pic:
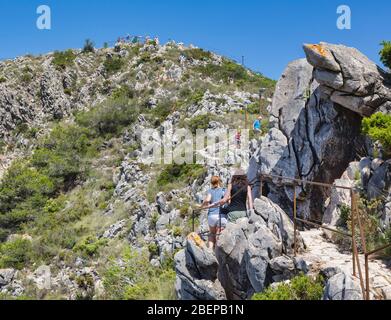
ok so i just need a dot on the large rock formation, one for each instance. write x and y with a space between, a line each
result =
349 78
250 255
317 110
306 130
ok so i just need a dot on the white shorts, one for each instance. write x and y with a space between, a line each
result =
214 221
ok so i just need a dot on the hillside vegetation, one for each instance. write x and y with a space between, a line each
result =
66 201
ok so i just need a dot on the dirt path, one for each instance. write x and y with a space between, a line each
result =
322 254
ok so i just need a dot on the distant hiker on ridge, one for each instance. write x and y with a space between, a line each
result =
257 126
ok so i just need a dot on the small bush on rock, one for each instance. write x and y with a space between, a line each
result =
197 54
88 46
15 254
385 53
184 172
63 59
113 65
378 128
300 288
138 279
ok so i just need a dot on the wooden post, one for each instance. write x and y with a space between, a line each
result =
246 119
367 295
353 215
193 222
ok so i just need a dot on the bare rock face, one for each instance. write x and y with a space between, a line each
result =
250 255
53 99
350 78
343 287
13 111
307 129
196 269
340 197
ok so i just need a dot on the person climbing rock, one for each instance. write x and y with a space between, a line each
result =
238 139
216 219
239 197
257 126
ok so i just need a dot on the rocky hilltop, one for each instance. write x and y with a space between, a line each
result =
83 217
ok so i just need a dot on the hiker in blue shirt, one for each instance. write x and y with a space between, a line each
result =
216 219
257 126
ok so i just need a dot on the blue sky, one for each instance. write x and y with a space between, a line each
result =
268 33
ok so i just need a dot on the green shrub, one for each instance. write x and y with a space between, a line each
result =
26 78
387 236
200 122
300 288
184 210
154 219
138 279
88 46
24 184
61 155
196 97
2 80
89 246
153 249
163 110
63 59
124 92
378 128
344 216
109 118
385 53
254 108
15 254
177 231
197 54
231 71
186 173
113 64
145 57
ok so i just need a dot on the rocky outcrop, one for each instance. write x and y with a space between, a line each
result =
196 269
343 286
53 99
306 129
9 284
317 109
349 78
250 255
340 197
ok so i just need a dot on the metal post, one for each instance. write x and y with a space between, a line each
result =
367 296
355 251
193 224
294 217
246 119
353 214
364 247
